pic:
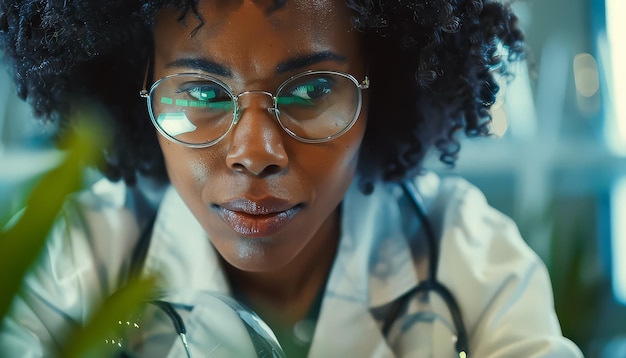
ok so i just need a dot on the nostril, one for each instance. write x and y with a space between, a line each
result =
238 167
271 169
266 171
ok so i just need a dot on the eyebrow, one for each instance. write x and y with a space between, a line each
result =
293 64
200 64
307 60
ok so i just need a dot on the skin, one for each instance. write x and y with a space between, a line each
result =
257 159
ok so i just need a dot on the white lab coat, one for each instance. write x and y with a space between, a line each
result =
501 286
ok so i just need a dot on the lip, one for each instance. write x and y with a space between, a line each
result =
257 218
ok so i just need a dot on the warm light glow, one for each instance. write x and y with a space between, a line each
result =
586 75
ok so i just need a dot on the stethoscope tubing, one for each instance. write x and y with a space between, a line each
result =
431 283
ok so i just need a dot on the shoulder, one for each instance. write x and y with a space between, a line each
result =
110 213
90 245
461 217
473 232
480 247
85 259
501 285
458 204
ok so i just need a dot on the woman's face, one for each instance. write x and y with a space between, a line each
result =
263 197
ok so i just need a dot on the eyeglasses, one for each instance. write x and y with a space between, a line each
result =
199 110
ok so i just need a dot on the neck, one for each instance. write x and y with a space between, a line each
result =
285 295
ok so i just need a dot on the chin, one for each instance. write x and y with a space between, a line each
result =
255 255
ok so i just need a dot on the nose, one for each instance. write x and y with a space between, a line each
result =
256 141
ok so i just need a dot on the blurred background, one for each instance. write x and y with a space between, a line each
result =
557 164
558 167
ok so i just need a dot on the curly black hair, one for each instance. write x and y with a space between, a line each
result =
432 62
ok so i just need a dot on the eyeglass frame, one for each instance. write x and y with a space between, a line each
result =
237 111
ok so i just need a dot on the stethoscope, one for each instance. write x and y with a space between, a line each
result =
431 284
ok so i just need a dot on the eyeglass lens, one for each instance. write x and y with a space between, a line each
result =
196 109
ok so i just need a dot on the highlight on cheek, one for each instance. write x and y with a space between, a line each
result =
199 171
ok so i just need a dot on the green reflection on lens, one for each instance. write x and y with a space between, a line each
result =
294 100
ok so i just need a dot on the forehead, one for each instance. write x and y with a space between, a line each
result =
293 14
252 34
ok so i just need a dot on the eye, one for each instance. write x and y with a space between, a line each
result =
312 88
203 94
204 91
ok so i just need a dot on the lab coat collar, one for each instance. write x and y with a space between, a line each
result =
377 255
372 266
180 252
376 263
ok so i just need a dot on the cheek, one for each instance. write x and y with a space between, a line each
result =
348 147
333 165
188 169
199 171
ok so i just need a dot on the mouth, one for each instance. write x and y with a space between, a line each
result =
257 218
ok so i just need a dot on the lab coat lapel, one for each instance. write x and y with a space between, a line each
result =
180 252
374 266
347 329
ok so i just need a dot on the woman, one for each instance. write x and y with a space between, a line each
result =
285 129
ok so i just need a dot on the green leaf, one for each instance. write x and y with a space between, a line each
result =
89 341
24 240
